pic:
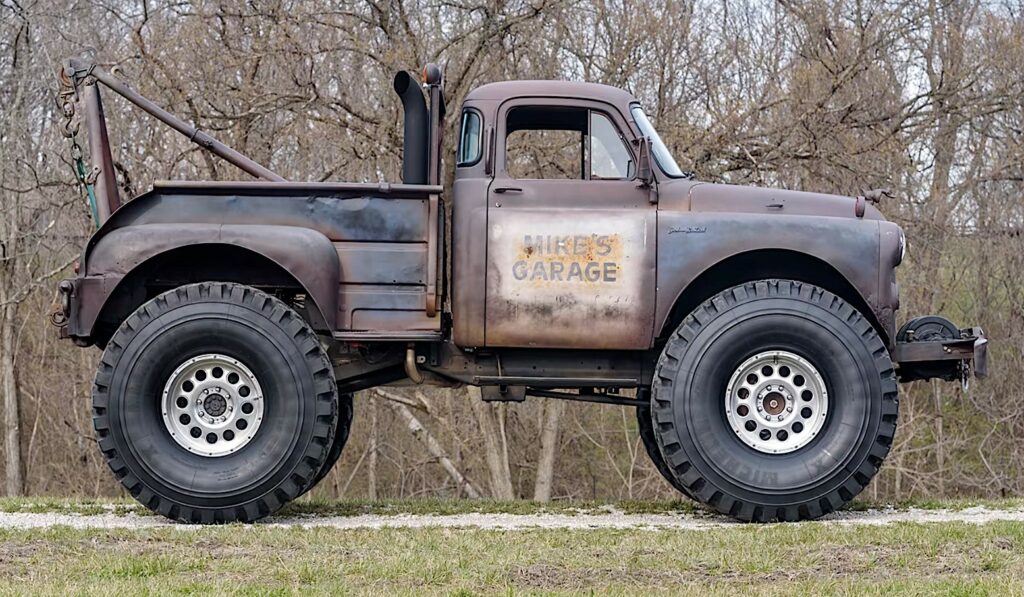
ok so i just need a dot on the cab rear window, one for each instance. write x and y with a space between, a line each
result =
470 139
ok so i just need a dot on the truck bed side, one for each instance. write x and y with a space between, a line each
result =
365 254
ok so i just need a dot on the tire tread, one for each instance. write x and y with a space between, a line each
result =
325 390
667 437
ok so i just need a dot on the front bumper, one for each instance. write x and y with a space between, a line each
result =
951 359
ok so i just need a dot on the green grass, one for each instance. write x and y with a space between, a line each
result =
440 506
317 506
83 506
914 559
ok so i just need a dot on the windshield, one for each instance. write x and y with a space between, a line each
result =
661 154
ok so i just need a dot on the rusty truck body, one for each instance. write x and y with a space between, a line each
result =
754 330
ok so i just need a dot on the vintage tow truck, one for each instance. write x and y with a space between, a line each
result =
752 329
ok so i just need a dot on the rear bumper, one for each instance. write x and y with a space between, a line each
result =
949 359
76 295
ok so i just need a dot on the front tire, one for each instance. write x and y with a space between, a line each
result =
345 411
774 400
215 403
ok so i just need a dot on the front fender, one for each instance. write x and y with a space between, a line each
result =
306 254
690 243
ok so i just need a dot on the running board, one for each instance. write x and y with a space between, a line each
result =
556 382
410 336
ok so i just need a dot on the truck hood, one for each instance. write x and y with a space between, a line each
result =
693 196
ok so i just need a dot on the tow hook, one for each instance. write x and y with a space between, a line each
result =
62 311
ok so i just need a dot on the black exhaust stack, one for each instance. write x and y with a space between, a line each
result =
415 147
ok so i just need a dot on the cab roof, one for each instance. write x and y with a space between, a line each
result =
542 88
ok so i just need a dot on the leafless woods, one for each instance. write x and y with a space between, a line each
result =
924 98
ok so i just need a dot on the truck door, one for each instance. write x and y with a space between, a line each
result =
571 231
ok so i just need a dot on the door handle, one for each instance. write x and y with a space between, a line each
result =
508 190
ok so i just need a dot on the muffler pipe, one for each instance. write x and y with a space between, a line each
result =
411 369
415 141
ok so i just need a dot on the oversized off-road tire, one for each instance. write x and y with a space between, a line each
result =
340 438
646 428
774 400
215 403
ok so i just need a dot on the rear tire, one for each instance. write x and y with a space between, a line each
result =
791 440
185 357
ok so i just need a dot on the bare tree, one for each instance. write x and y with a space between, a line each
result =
842 96
551 417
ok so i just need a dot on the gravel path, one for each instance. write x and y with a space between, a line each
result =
612 520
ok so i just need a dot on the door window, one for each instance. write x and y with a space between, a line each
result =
609 158
557 142
545 142
544 154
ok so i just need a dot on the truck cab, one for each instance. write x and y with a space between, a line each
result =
555 231
752 330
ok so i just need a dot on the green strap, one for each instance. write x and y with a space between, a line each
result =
80 167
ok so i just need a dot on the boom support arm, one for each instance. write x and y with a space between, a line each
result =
82 72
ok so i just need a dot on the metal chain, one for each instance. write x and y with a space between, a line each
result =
66 99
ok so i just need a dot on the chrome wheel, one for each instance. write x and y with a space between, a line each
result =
776 402
212 405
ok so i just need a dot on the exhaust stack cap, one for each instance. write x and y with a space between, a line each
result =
432 74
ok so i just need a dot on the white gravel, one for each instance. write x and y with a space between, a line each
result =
611 520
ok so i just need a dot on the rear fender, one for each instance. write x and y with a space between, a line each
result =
307 255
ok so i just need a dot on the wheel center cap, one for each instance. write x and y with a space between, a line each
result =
774 403
215 405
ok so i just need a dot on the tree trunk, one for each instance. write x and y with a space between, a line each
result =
423 434
371 480
551 418
490 418
940 438
9 384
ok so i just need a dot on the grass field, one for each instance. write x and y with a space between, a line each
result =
779 559
807 558
311 505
